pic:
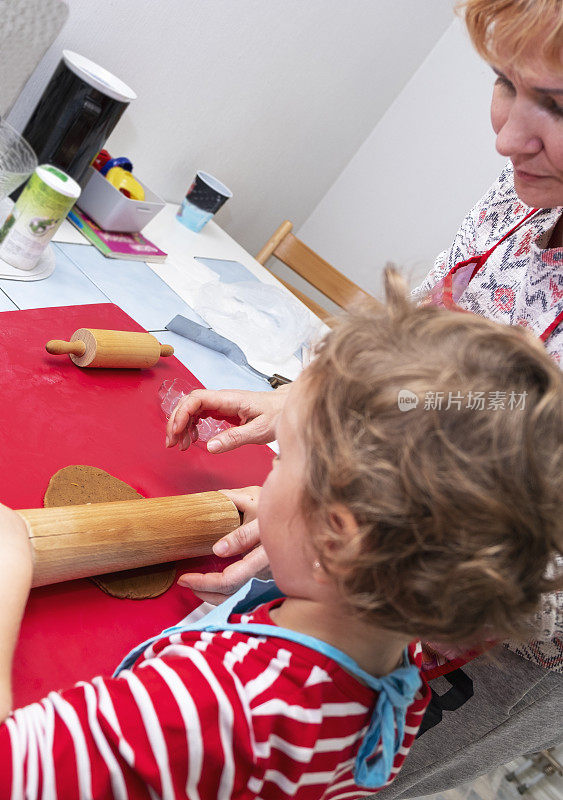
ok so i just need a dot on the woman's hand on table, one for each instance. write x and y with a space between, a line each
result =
256 411
215 586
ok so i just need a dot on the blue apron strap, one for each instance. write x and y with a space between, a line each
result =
253 593
396 690
388 724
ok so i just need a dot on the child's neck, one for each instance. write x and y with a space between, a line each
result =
375 650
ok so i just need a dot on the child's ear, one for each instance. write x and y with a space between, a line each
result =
343 523
342 536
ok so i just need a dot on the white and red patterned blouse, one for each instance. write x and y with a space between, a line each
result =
521 283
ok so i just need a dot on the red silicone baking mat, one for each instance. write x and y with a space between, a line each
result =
55 414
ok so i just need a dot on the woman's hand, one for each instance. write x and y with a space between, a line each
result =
215 586
255 411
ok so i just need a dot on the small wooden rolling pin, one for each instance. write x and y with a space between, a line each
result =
79 541
92 347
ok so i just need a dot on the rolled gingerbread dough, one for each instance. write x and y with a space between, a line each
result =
79 484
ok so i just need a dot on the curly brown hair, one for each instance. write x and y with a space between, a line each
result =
459 509
522 29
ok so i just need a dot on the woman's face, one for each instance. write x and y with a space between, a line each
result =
527 117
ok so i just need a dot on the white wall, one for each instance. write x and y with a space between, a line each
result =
425 164
27 30
274 97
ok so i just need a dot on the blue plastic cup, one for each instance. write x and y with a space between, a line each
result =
203 199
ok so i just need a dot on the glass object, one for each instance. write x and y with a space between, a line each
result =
17 160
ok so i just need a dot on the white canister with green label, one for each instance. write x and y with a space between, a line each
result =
45 201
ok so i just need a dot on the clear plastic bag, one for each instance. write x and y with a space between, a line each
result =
171 392
263 320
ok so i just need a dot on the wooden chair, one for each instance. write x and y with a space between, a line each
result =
314 269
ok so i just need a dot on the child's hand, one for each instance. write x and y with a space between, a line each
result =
16 554
215 586
16 568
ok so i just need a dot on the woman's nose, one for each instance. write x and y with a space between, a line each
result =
518 135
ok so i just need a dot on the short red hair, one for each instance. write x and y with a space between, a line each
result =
524 29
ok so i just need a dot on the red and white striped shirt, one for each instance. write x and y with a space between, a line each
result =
203 716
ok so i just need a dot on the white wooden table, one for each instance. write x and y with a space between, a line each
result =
151 293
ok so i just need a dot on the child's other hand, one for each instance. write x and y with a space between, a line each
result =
215 586
16 568
15 548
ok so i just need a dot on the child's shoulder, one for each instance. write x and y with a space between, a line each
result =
264 666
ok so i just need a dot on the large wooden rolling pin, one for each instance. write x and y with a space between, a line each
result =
92 347
79 541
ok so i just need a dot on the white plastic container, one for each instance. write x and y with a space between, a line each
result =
39 211
112 210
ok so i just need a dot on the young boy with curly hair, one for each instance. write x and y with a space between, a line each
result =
386 518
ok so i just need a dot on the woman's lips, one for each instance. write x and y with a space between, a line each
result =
529 177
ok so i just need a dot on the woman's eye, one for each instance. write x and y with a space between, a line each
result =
553 106
505 83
